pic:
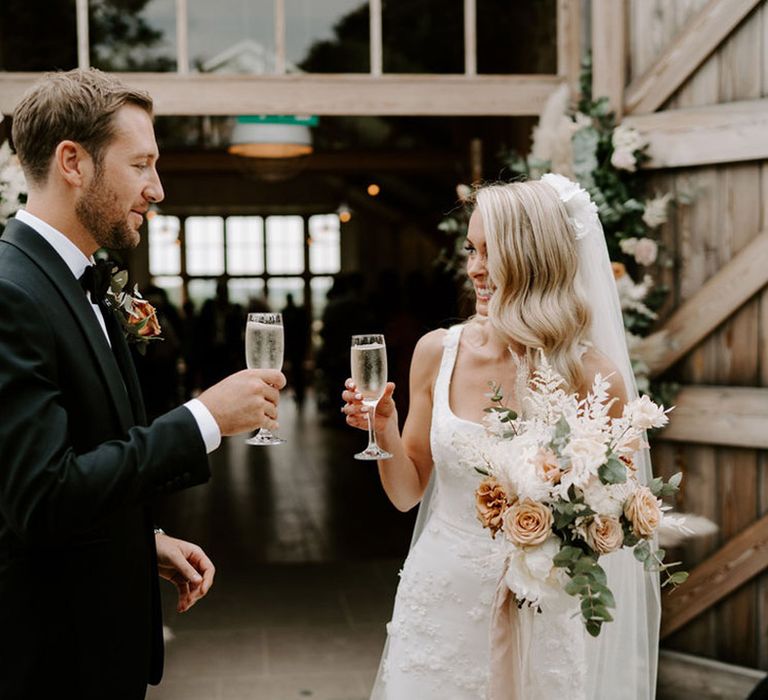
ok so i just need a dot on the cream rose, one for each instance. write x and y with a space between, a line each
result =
604 534
643 510
646 251
527 523
547 467
491 502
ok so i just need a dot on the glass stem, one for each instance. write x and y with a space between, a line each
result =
371 420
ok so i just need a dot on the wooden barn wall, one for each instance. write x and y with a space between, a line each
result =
729 206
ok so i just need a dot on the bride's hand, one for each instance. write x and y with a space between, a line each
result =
355 411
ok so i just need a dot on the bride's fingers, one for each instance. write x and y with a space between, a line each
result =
351 396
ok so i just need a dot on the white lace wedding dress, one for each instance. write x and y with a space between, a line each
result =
438 644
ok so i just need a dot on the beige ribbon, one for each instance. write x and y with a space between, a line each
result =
508 648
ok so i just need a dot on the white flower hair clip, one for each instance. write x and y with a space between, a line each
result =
582 211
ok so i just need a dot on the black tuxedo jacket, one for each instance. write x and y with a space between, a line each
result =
79 598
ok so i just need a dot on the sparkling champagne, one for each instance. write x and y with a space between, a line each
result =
369 370
263 345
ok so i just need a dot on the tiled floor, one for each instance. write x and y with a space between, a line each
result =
307 551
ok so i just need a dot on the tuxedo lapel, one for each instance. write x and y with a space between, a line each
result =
37 249
125 362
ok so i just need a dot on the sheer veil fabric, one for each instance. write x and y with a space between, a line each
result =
622 661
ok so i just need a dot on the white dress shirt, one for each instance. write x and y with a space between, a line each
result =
76 261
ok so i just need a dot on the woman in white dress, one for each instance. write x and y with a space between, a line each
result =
533 290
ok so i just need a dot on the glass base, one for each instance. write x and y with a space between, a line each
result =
373 452
264 437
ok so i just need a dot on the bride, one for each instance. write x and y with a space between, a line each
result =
538 263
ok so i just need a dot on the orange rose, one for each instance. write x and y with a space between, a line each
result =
604 534
491 501
527 523
619 270
142 309
643 510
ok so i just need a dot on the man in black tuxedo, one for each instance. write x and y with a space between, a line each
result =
79 561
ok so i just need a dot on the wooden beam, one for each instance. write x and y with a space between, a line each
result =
609 52
743 557
569 42
720 415
348 94
361 161
745 275
724 133
701 36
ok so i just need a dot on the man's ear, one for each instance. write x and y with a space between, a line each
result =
72 162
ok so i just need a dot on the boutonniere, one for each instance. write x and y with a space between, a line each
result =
137 316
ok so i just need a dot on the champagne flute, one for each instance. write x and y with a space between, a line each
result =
369 373
264 350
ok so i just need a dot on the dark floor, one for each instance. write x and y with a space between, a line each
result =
307 550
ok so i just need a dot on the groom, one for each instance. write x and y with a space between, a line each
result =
79 599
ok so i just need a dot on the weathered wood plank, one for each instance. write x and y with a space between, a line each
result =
745 275
719 415
702 35
735 131
569 42
609 52
351 95
743 557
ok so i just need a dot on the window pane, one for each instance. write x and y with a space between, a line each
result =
29 43
245 245
421 36
201 290
204 237
331 36
173 288
285 245
147 35
324 243
164 245
232 36
320 287
498 20
281 287
249 293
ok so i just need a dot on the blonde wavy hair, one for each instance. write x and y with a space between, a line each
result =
532 265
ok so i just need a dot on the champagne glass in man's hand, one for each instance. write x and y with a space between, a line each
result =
264 350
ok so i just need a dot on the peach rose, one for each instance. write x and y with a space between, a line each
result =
491 501
646 251
527 523
643 510
142 309
619 270
604 534
547 466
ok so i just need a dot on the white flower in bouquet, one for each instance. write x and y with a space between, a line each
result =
646 251
531 574
655 213
607 499
643 414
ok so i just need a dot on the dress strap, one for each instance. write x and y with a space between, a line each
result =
450 350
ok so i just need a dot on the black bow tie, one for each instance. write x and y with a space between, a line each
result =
96 278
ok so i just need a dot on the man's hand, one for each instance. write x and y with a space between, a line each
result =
245 400
185 565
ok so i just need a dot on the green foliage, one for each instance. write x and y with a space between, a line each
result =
614 471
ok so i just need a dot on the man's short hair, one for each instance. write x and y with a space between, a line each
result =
77 105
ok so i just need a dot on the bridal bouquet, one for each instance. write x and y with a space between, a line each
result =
561 491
